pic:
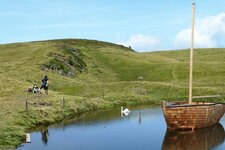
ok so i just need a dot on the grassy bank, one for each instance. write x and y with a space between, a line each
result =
93 75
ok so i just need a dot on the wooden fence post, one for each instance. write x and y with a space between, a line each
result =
62 102
26 105
140 78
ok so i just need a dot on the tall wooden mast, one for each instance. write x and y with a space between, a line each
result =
191 53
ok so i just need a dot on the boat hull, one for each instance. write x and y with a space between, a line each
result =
180 115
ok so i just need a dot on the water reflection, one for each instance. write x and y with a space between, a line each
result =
143 129
201 139
44 135
139 118
104 116
93 118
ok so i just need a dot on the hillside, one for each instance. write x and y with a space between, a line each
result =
93 75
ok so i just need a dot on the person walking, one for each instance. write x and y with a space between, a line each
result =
44 84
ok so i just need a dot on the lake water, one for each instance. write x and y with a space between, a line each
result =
143 129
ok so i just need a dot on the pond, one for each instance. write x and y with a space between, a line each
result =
143 129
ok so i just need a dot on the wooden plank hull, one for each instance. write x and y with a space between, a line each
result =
180 115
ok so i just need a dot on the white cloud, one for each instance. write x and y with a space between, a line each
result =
142 43
209 32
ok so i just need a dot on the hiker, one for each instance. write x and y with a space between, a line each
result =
36 89
44 84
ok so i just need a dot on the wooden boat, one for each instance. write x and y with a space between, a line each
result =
192 115
180 115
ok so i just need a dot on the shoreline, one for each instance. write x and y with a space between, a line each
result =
24 120
42 116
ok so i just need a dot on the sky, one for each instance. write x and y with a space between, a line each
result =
145 25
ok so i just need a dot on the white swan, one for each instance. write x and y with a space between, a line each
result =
126 111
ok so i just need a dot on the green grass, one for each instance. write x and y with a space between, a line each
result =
92 75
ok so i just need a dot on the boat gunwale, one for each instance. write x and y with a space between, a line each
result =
184 104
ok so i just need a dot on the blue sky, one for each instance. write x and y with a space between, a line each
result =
146 25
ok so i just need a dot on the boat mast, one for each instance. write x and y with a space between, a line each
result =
191 53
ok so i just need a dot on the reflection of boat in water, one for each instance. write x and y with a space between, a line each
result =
200 139
192 115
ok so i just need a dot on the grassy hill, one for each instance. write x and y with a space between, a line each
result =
92 75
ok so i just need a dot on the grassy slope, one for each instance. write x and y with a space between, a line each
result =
112 71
